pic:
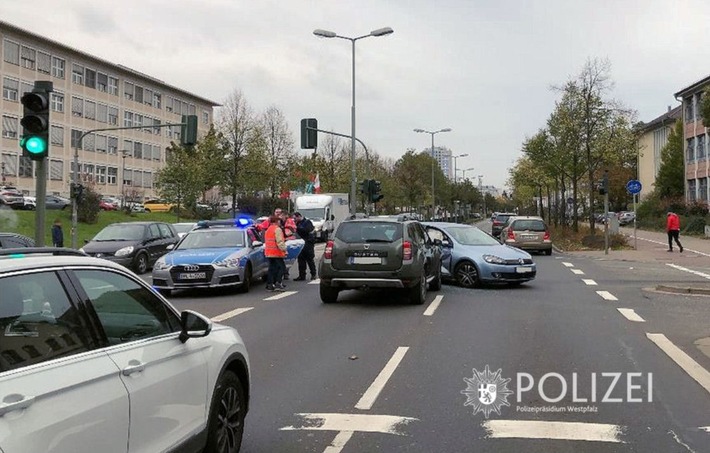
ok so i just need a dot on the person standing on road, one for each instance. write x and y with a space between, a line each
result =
275 252
304 229
288 226
57 234
673 229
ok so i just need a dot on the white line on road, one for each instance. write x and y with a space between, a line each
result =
690 366
589 282
631 315
666 244
368 399
566 264
387 424
685 269
577 271
606 295
281 295
704 428
433 306
526 429
231 314
314 282
339 442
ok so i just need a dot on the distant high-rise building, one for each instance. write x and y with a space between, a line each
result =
443 158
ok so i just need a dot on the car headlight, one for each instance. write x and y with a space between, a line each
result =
160 265
231 262
82 250
493 259
125 251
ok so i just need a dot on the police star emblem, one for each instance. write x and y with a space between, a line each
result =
486 391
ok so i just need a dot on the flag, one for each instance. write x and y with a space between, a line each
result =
316 183
285 193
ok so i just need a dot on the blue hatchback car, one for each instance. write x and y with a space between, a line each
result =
471 256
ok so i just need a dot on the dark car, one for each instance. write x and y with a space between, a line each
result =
500 221
378 252
136 245
13 240
55 202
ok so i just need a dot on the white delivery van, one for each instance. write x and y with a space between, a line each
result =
325 210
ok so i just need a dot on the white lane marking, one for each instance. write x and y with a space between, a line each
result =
631 315
231 314
606 295
281 295
666 244
704 428
577 271
339 442
566 264
371 394
387 424
314 282
589 282
690 366
433 306
685 269
528 429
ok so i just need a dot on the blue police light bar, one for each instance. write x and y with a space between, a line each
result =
243 221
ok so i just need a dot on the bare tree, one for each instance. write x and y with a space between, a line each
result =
236 123
278 143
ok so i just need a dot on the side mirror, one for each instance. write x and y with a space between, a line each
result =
332 217
193 325
256 244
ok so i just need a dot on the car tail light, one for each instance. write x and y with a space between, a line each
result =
511 234
546 237
495 222
406 250
328 253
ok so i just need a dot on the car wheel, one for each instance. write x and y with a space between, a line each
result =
417 294
246 284
328 294
225 426
548 252
435 285
466 274
140 264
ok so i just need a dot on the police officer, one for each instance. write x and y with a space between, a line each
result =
304 229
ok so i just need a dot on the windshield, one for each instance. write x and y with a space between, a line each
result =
216 238
313 214
121 233
529 225
467 235
369 232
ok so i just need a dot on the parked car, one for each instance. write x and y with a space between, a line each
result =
527 233
136 245
472 257
499 222
158 206
392 252
626 218
134 206
217 255
106 204
56 202
89 338
183 227
11 197
30 203
14 240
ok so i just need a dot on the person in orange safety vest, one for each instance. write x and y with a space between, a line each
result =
275 252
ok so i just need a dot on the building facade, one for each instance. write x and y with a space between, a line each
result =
697 166
442 156
90 93
653 137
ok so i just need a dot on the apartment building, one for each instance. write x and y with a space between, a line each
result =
442 156
90 93
653 137
697 165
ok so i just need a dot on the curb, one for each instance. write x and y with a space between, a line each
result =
683 290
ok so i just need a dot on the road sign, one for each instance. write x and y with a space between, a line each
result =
633 186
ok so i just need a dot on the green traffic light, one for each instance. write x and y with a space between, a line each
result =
34 145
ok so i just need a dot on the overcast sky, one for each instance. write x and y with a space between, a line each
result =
481 67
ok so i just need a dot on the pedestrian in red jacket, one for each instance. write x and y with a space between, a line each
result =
673 229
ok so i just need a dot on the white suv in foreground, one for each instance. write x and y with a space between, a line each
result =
94 360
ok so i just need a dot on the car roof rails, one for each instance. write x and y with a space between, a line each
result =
55 251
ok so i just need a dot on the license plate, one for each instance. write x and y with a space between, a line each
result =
365 260
523 270
193 276
529 237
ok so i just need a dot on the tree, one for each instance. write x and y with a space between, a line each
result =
237 126
671 174
705 107
278 146
181 181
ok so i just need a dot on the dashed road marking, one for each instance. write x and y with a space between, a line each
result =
606 295
589 282
704 428
339 442
529 429
433 306
368 399
566 264
685 269
690 366
231 314
631 315
577 271
282 295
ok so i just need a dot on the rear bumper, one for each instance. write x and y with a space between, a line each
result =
354 283
531 245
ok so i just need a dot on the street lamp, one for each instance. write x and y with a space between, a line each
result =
422 131
124 154
464 172
455 158
330 34
480 190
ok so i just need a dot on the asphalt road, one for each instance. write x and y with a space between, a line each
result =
373 373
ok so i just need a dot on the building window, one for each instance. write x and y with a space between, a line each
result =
137 120
101 143
28 57
90 78
113 116
10 164
112 176
10 89
192 110
128 89
156 100
128 147
9 126
77 106
156 128
57 102
25 167
11 52
56 170
90 110
690 150
44 62
88 172
148 97
692 185
701 153
77 74
703 189
57 136
26 87
168 104
113 85
148 124
205 117
102 113
89 143
689 110
100 174
127 119
113 145
138 150
138 94
102 82
75 135
58 65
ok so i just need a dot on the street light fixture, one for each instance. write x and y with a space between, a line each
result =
455 158
422 131
464 172
331 34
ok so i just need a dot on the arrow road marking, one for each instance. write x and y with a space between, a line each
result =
631 315
527 429
589 282
690 366
433 306
282 295
231 314
606 295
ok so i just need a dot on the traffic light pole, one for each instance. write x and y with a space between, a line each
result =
41 192
367 153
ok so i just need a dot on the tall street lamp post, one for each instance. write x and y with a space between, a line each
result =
124 154
464 172
455 158
422 131
480 189
330 34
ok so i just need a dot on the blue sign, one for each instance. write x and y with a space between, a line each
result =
633 186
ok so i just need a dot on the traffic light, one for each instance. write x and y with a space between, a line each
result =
309 133
35 121
604 184
188 130
365 188
375 188
76 191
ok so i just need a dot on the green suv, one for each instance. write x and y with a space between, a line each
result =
382 252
